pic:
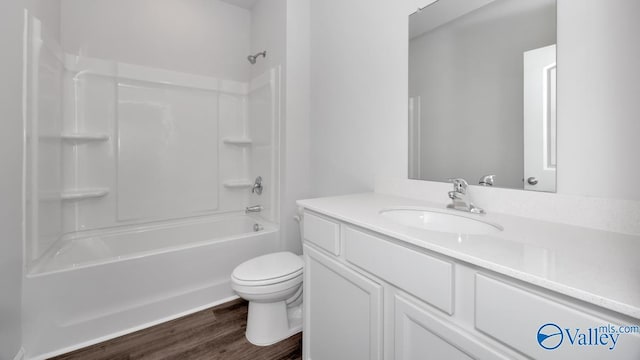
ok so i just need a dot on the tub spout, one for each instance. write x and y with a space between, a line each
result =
254 208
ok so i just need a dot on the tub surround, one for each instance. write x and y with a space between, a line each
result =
595 266
132 134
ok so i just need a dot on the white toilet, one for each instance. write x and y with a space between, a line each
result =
272 284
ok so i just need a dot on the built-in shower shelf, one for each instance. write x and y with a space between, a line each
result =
84 137
81 194
238 184
240 141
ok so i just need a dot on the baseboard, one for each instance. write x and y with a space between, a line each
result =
19 355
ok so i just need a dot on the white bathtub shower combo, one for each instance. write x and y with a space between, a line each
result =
138 175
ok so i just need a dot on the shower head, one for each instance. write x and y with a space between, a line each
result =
252 58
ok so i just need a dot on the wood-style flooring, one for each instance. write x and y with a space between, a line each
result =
215 334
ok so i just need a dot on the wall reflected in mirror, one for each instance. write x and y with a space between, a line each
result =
482 98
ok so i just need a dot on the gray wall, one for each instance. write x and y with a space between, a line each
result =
11 139
469 75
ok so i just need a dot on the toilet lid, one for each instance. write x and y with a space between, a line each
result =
272 268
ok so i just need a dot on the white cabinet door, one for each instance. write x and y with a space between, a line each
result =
540 119
343 311
421 335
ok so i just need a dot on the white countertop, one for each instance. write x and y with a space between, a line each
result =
599 267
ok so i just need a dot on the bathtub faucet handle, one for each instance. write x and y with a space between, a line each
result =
254 208
257 186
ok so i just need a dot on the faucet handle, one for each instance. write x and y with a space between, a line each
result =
257 186
487 180
459 185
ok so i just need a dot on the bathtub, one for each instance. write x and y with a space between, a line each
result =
98 285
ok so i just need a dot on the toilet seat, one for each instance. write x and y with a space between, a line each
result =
269 269
266 292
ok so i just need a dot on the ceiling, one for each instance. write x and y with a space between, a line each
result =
247 4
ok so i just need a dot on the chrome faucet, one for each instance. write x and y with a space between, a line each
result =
461 199
253 209
257 186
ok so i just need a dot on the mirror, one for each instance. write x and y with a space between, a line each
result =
482 93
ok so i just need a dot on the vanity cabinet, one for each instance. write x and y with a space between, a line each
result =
370 296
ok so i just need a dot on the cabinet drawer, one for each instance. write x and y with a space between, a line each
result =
322 232
514 316
421 275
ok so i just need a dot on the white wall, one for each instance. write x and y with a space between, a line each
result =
11 139
48 11
296 148
359 93
598 107
268 32
206 37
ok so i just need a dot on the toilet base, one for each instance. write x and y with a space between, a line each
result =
269 323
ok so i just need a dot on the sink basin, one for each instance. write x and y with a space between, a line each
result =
441 221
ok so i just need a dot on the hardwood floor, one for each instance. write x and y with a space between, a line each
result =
212 334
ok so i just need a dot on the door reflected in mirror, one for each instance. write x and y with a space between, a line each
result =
482 93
